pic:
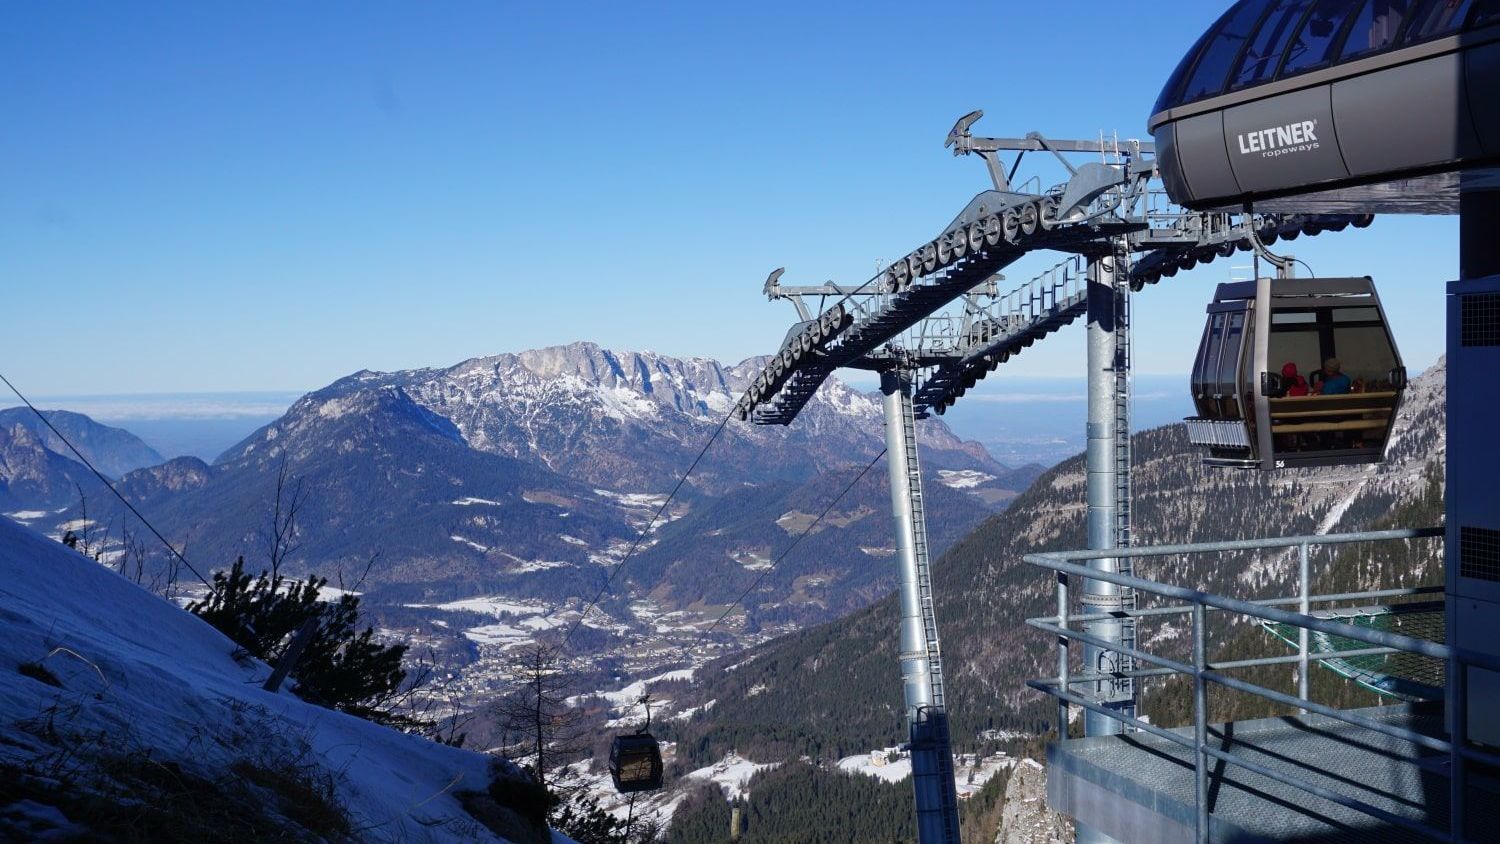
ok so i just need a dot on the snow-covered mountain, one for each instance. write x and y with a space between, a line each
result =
374 473
529 475
633 420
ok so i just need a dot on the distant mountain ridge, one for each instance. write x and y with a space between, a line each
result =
114 451
623 419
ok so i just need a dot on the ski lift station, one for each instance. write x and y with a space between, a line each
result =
1286 118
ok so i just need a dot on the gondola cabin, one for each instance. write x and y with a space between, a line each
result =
635 763
1295 372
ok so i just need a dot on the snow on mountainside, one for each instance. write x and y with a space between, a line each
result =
625 419
105 683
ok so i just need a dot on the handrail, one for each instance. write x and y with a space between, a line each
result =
1040 557
1322 625
1264 602
1197 602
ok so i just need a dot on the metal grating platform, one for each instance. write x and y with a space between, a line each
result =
1405 676
1140 788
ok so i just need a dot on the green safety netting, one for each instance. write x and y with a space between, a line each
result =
1400 675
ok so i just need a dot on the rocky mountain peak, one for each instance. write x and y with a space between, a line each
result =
631 420
175 475
32 476
352 412
21 451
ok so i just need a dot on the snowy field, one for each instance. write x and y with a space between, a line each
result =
969 773
963 478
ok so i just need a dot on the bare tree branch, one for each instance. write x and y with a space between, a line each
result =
537 714
284 538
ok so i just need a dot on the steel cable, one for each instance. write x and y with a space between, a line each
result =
108 484
634 546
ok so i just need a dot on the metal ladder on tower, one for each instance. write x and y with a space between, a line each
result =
932 722
1122 456
924 565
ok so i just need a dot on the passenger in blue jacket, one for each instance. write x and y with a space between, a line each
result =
1335 382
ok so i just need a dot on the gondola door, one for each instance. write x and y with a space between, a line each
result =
1225 414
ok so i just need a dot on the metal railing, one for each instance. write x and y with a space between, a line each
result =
1197 604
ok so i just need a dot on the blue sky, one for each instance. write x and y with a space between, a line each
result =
223 197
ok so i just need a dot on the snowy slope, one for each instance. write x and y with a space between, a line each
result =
150 677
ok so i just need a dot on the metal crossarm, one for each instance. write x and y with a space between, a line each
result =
1110 203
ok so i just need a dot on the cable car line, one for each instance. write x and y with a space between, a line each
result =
634 546
108 484
800 537
635 762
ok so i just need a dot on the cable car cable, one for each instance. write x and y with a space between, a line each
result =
108 484
628 752
634 546
800 537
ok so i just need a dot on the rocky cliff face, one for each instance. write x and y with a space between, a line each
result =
1025 818
34 480
632 420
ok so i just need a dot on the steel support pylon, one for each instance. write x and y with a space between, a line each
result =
921 660
1108 481
1119 273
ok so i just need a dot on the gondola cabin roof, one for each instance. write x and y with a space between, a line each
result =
1334 105
1328 291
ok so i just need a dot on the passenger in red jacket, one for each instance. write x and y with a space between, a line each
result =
1296 385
